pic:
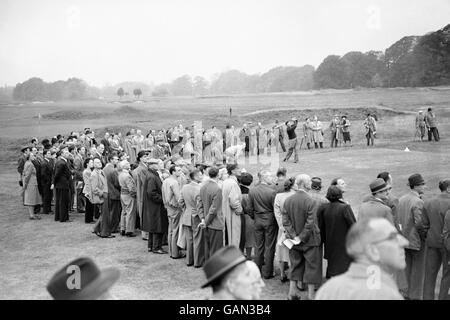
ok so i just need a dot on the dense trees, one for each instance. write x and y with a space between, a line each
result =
411 61
37 89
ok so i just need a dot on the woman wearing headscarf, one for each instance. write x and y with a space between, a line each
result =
281 251
30 189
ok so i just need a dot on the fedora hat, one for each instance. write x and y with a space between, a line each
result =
415 180
223 261
378 185
93 281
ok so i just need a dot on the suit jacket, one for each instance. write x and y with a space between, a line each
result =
112 178
210 205
190 195
99 186
298 216
47 172
375 208
62 176
434 211
410 219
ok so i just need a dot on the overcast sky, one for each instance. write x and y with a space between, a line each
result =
158 40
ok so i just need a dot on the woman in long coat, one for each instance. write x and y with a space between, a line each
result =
335 219
31 195
232 210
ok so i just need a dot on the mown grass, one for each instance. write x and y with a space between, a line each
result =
31 251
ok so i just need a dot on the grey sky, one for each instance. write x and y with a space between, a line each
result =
158 40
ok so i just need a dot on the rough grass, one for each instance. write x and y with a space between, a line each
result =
31 251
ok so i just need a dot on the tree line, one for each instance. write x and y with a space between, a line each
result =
412 61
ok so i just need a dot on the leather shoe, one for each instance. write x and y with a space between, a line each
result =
160 251
122 233
181 256
130 234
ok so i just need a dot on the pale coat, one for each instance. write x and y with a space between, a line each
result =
189 198
232 209
316 127
99 186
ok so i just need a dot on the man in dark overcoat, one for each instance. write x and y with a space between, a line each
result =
154 214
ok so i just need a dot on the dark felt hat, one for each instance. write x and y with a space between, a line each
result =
378 185
93 282
316 183
415 180
221 262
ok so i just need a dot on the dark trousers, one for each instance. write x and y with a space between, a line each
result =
89 214
155 241
62 203
189 244
213 241
102 226
433 132
306 264
415 272
81 202
199 242
435 258
334 141
266 231
47 195
115 211
292 149
172 235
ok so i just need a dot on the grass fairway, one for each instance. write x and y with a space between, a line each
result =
31 251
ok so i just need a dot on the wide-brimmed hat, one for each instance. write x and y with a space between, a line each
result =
223 261
415 180
93 282
378 185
